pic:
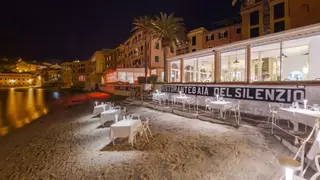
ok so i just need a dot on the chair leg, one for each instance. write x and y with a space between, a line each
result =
145 133
149 131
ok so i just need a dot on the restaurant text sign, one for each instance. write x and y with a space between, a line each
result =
284 95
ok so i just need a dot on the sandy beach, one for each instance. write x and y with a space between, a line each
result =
71 144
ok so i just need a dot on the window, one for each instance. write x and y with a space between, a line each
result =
223 34
279 26
210 37
233 66
194 50
238 31
254 32
300 59
265 62
141 48
194 39
254 18
278 11
156 59
199 69
82 78
175 72
171 49
157 45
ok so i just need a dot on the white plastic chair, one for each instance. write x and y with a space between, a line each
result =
273 113
235 109
191 101
207 102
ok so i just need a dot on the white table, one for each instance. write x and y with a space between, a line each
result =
110 115
221 105
125 128
296 116
159 96
181 99
100 108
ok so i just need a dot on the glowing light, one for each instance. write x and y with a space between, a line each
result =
30 80
12 80
39 77
56 95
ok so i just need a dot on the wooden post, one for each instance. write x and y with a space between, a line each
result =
217 69
181 70
248 64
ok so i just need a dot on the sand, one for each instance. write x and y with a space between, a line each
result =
71 144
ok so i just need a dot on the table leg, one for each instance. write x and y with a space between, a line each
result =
296 129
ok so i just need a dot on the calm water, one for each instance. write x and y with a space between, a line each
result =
19 107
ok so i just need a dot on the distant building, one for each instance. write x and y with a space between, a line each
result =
22 66
16 79
78 70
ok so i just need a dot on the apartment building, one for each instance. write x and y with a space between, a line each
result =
78 70
261 17
134 50
16 79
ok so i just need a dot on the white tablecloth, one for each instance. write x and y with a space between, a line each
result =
303 116
109 115
221 105
100 108
159 96
125 128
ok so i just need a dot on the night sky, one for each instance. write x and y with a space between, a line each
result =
66 30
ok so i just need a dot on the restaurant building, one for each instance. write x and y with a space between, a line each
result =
280 67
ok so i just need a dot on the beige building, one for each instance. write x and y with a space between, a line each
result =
16 79
78 70
22 66
133 52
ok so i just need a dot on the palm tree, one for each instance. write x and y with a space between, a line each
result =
266 14
166 28
143 25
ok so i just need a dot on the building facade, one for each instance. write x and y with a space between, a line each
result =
16 79
78 70
261 17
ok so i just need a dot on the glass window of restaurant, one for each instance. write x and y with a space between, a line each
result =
300 59
292 60
175 72
265 62
233 65
199 69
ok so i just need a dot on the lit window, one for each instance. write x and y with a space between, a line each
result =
279 26
82 78
175 72
210 37
265 62
223 34
233 66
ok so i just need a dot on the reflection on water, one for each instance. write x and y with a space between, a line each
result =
19 107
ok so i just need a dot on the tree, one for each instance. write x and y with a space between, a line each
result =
166 28
266 14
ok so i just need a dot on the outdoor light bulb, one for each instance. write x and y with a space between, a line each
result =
289 174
